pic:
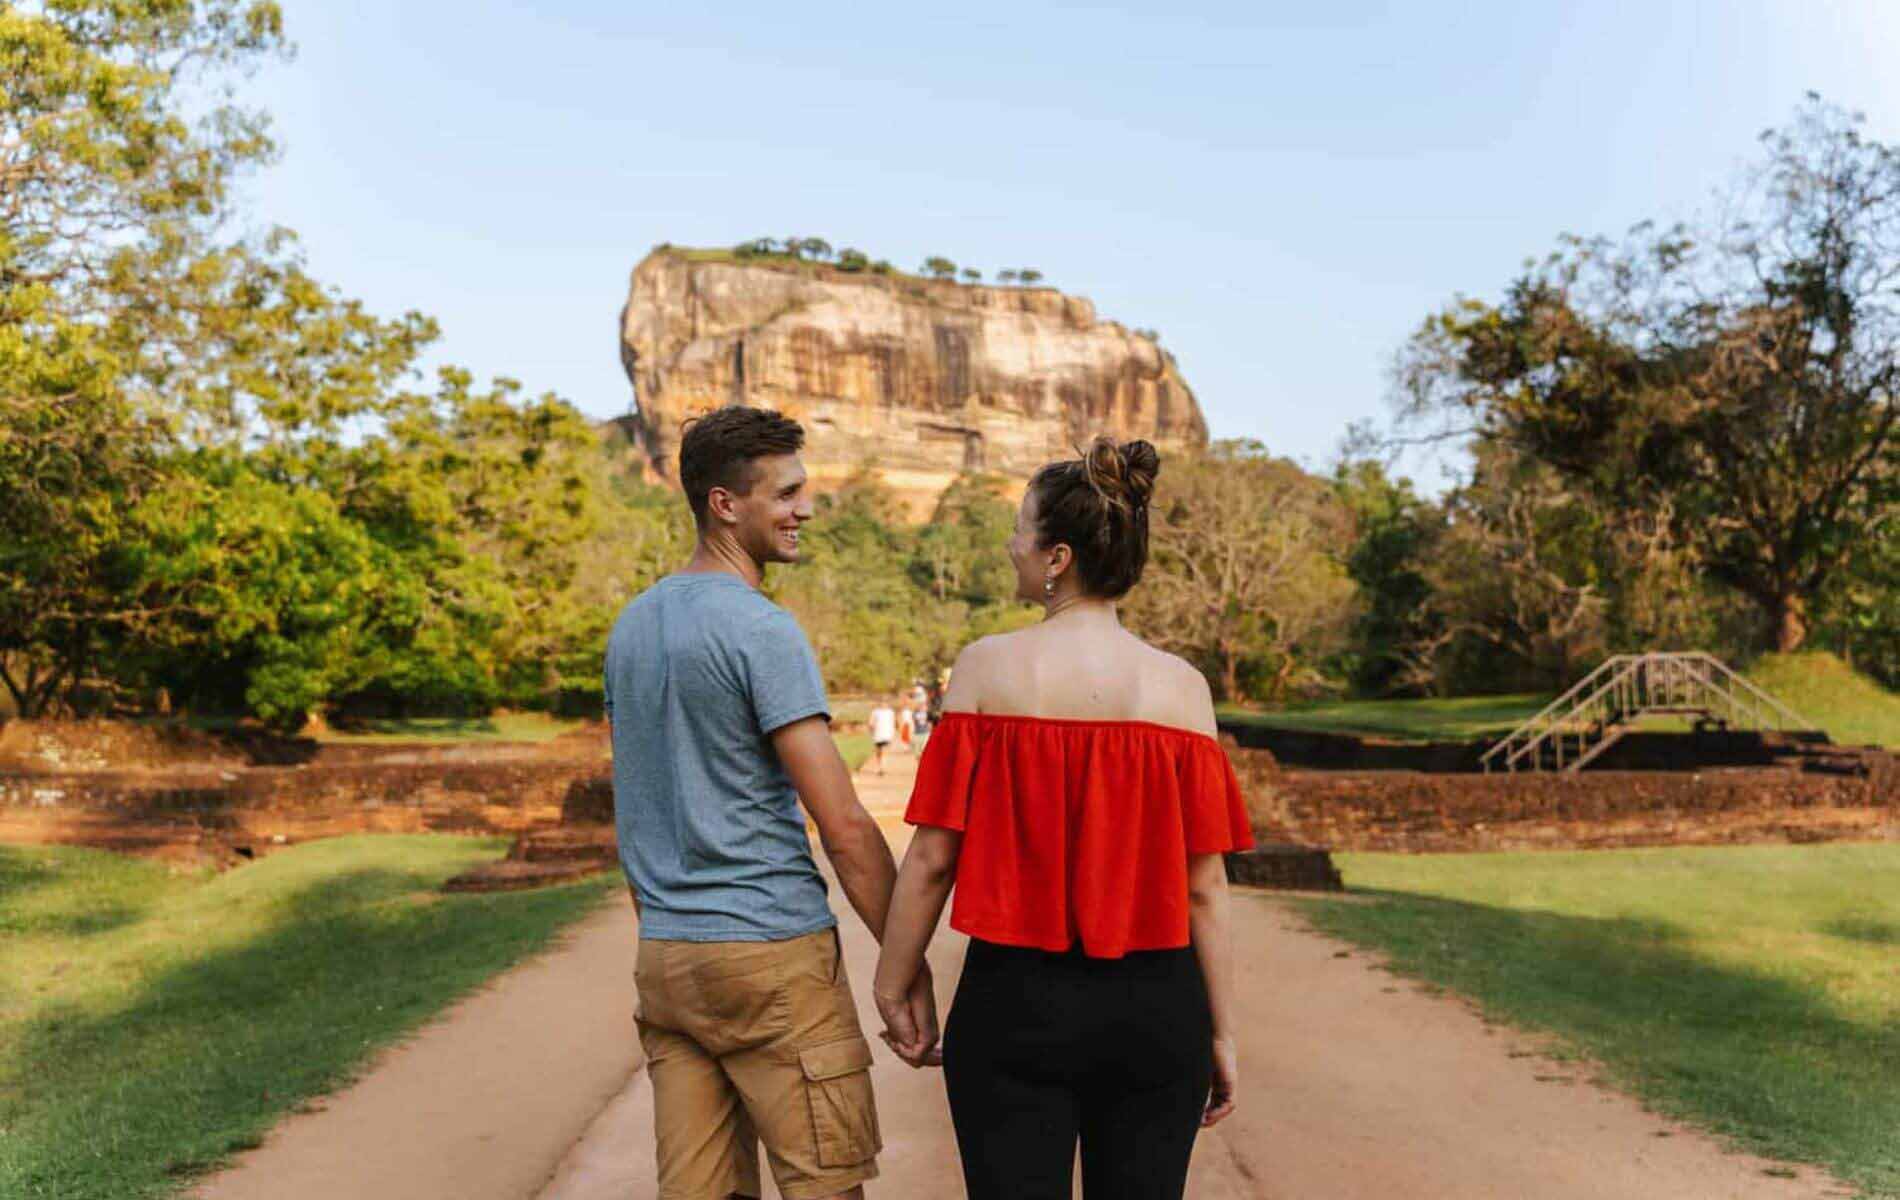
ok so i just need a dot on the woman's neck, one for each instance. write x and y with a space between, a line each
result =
1078 609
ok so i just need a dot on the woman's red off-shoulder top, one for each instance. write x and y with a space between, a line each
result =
1076 831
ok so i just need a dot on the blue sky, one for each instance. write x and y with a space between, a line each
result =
1283 191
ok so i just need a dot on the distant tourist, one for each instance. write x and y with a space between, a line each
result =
920 716
1096 1000
883 732
720 728
906 725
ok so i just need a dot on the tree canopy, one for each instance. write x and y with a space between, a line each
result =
1738 377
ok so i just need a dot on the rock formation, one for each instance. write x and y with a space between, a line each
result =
918 379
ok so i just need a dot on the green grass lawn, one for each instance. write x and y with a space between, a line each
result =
1752 990
1455 719
501 727
151 1024
1854 709
855 747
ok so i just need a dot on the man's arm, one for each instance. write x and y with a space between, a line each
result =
852 840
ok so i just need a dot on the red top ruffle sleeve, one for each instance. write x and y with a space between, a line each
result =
1077 830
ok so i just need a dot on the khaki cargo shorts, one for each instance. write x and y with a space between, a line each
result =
750 1042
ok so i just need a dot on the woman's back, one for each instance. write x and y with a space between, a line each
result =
1081 666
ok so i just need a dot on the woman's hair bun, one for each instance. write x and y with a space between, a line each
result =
1140 465
1124 475
1097 503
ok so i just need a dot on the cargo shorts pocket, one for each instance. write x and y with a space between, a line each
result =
843 1110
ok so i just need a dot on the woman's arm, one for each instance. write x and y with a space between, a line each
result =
1213 946
923 884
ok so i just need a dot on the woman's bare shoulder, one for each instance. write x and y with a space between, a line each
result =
970 676
1183 692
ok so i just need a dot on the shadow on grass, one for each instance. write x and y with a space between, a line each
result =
1865 929
204 1055
25 872
1764 1059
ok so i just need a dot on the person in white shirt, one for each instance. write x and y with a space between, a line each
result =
883 732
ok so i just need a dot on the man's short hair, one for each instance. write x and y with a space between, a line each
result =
718 450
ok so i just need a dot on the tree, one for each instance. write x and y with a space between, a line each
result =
939 268
1006 276
818 248
1515 588
109 194
972 274
1029 275
962 553
852 259
882 267
1739 378
1243 579
1394 531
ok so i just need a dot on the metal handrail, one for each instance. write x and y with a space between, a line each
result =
1552 707
1639 683
1632 664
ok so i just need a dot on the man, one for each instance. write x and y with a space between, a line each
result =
720 726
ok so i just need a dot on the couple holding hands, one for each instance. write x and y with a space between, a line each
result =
1073 795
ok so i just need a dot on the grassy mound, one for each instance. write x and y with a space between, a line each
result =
152 1024
1853 709
1748 989
1454 719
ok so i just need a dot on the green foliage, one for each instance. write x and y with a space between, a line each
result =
1738 381
886 604
1394 532
1244 577
938 267
961 554
216 481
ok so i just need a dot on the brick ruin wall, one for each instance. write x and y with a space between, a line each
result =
228 813
221 817
1420 812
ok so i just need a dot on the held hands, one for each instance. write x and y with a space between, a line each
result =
1220 1097
910 1020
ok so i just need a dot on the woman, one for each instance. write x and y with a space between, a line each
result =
1075 795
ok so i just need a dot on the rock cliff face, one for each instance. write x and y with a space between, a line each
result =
920 380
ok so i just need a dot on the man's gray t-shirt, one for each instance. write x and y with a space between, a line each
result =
701 669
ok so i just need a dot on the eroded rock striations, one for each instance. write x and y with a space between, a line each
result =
920 379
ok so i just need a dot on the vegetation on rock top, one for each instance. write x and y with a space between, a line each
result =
800 251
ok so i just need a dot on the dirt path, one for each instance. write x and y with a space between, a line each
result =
1356 1085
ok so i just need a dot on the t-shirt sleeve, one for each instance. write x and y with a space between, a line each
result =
781 673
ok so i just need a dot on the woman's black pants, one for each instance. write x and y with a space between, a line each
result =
1043 1048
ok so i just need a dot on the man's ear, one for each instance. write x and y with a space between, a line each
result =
722 506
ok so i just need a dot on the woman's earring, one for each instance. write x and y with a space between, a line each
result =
1049 585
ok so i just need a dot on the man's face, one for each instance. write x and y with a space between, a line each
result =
767 517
